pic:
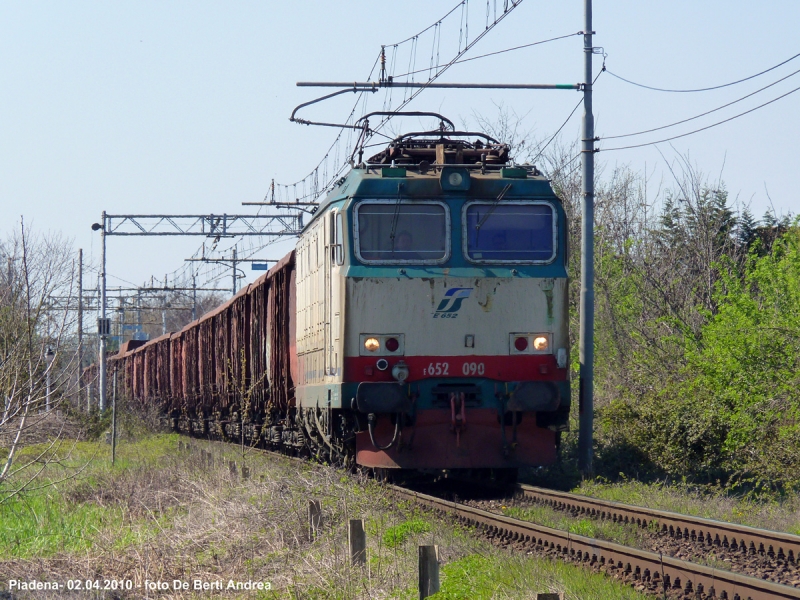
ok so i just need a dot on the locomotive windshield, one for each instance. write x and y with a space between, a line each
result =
398 232
511 232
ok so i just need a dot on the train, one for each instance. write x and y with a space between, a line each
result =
421 323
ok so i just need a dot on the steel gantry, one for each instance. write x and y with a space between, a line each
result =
223 225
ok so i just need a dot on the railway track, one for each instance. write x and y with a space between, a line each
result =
647 570
708 532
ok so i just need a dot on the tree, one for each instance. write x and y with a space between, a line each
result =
37 372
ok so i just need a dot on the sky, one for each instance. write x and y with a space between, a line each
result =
182 107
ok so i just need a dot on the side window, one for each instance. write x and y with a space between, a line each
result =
336 242
338 232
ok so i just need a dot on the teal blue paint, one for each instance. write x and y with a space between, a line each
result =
555 270
358 187
316 396
393 172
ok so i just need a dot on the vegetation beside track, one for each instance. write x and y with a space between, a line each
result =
163 513
697 332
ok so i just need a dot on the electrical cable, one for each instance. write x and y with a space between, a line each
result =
624 135
541 151
439 22
675 137
480 36
716 87
318 190
458 62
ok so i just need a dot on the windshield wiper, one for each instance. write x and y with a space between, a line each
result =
493 206
396 215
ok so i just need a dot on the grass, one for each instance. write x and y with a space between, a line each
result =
594 528
65 510
397 534
162 513
491 576
779 514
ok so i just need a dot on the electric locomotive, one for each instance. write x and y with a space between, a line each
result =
432 315
421 323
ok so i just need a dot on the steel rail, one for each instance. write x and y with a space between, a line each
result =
647 567
706 531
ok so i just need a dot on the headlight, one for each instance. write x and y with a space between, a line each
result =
381 344
530 343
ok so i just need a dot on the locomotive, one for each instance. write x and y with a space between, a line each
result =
420 323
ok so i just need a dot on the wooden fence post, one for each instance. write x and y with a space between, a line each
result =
428 571
314 518
358 542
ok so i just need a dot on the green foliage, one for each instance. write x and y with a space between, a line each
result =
748 363
495 576
62 513
395 536
727 407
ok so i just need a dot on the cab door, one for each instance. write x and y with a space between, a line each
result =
334 258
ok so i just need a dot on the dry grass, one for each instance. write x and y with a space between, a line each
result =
181 519
40 428
165 514
778 514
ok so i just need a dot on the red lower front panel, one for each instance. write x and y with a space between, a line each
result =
533 367
432 443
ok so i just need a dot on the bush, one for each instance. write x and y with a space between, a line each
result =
731 410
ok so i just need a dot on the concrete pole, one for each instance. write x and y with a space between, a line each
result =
357 541
164 308
233 265
314 519
586 389
114 420
80 325
103 333
49 356
194 298
428 571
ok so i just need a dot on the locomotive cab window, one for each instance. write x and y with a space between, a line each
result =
514 232
401 232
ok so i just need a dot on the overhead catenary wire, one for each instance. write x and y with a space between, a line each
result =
429 27
480 36
463 60
706 89
708 112
414 38
508 8
675 137
564 124
311 186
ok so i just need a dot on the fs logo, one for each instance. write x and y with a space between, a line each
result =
451 303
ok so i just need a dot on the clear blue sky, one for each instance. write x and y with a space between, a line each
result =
183 107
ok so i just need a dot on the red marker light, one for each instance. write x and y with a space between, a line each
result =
391 344
521 344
